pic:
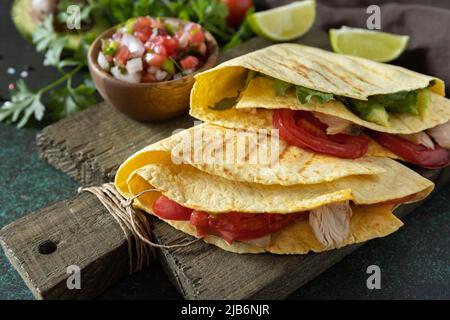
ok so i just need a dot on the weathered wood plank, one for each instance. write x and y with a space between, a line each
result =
82 233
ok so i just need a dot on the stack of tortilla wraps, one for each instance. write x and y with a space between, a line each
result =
244 185
314 75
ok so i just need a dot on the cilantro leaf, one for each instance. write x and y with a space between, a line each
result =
54 51
305 95
245 31
24 103
151 7
118 10
228 103
44 34
67 101
280 87
224 104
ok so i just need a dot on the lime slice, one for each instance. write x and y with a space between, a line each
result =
286 22
374 45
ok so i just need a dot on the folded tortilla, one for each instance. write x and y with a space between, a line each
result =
316 69
218 188
256 157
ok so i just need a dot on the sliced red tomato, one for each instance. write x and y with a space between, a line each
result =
416 154
231 226
122 55
240 226
302 129
170 210
237 9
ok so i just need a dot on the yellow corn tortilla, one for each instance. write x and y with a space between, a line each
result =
224 189
326 71
192 187
186 183
282 164
321 70
198 190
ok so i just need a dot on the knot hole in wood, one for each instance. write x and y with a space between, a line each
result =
47 247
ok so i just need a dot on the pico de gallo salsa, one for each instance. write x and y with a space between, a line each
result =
146 49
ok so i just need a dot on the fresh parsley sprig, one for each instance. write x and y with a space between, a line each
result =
22 105
64 99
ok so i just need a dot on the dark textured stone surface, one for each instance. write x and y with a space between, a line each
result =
26 184
414 261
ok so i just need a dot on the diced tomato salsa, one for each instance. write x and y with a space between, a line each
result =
147 49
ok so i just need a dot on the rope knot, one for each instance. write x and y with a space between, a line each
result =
126 203
134 224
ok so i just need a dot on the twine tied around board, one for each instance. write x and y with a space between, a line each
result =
134 224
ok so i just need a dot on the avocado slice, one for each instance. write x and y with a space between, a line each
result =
377 114
423 99
25 24
373 112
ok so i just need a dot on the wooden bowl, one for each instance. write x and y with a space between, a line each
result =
147 101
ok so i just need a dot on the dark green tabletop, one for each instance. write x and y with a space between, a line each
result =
414 261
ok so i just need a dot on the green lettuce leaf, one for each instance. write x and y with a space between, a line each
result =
305 95
280 87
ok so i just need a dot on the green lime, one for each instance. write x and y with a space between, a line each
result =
374 45
286 22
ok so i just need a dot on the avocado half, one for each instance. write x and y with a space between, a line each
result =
25 24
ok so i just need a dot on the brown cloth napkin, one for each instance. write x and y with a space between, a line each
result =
426 22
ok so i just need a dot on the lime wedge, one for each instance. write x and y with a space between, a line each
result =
286 22
374 45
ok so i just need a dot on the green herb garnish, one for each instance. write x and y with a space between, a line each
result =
280 87
109 47
305 95
228 103
225 104
375 109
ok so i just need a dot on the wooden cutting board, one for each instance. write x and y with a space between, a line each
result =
89 147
